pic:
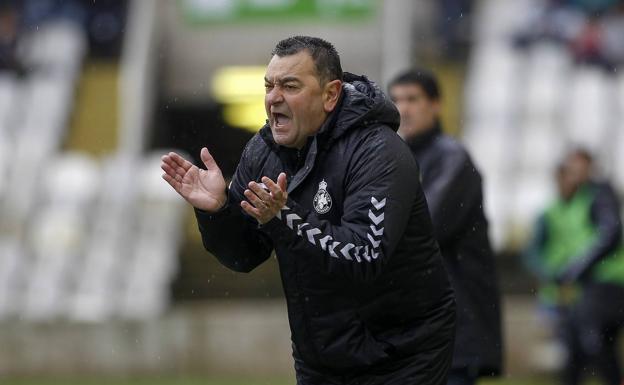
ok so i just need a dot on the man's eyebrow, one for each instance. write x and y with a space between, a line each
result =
283 80
288 79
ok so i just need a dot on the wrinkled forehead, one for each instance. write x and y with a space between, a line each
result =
299 65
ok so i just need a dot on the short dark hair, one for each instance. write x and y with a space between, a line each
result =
324 55
421 77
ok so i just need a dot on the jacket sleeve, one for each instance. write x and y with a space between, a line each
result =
380 188
230 234
605 214
454 192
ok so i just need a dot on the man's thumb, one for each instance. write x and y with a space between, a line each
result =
282 181
208 159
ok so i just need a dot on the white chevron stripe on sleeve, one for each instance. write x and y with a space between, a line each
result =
279 213
378 205
301 226
290 218
311 233
377 232
323 241
357 253
345 250
377 219
373 241
366 254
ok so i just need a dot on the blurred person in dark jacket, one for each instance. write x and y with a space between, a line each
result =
453 191
329 186
545 258
579 244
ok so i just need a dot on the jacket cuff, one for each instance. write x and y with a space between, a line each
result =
271 226
277 225
224 211
205 216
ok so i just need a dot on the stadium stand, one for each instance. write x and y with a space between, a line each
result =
81 238
525 105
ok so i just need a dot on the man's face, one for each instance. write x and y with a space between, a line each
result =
418 111
579 169
566 184
295 101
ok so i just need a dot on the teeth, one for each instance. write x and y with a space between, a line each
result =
279 119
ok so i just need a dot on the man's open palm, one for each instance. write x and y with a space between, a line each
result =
204 189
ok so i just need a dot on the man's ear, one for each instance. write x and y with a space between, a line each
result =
436 107
331 94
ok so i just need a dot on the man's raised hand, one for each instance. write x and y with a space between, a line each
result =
262 204
204 189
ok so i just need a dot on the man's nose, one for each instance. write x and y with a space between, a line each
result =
275 96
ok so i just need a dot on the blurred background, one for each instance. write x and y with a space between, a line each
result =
103 278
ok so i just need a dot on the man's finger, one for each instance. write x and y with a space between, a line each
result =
275 190
255 200
180 161
208 160
171 170
172 182
166 159
249 209
282 181
261 192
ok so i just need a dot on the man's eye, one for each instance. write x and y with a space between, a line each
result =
268 87
290 87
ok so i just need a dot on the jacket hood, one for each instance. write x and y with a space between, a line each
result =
362 104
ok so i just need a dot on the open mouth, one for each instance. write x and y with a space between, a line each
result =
280 120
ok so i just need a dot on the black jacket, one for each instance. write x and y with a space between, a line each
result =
362 274
453 189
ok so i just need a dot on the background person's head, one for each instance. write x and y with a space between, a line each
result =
416 95
578 164
303 83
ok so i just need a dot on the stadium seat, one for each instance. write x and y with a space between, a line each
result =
72 180
490 90
547 69
540 148
96 295
589 108
56 240
56 49
531 194
152 264
9 94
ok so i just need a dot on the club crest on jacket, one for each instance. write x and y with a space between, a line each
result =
322 200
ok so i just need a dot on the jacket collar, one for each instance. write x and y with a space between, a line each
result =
425 139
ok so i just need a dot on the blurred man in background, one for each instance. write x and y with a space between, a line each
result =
453 190
545 258
579 243
329 186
